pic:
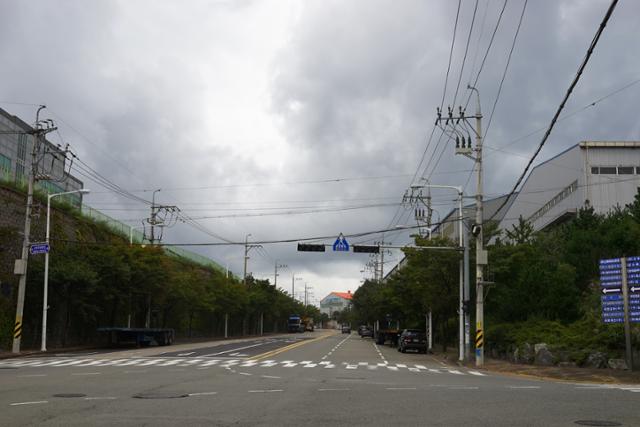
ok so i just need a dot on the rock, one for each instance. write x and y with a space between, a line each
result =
596 360
538 347
618 364
544 357
524 354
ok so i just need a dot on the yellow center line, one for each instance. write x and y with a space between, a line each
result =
289 347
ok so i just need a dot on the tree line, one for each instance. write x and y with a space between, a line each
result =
96 279
546 285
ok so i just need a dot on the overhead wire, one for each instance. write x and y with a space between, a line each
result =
573 84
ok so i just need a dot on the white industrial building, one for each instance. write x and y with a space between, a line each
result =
601 174
335 301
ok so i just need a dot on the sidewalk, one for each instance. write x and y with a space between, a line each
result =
566 374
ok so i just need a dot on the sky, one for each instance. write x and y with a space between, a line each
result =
291 120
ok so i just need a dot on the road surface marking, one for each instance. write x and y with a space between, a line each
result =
401 388
137 371
264 391
32 375
421 367
455 371
290 347
204 393
401 365
334 389
234 350
480 374
100 398
87 373
29 403
245 373
523 387
270 376
462 387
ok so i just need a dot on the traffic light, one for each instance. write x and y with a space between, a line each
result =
366 249
307 247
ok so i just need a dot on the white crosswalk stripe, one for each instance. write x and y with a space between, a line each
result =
201 362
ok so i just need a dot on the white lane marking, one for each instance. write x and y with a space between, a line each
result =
245 373
401 365
455 371
233 350
462 387
334 389
186 354
87 373
311 365
151 362
352 366
264 391
363 363
100 398
329 366
435 371
29 403
270 376
306 362
480 374
421 367
393 368
414 369
401 388
204 393
290 365
324 363
523 387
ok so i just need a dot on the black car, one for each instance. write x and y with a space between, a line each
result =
413 339
346 329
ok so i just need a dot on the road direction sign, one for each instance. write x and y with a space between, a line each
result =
341 244
38 248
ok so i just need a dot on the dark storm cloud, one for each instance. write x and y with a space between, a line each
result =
172 93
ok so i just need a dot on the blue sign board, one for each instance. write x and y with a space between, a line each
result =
611 287
39 248
341 244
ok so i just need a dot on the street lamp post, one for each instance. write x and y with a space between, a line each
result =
45 303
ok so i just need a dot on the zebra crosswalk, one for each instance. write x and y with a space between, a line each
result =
204 362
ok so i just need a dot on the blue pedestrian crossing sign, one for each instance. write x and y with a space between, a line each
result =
341 244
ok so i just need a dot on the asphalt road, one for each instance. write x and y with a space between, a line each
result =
320 378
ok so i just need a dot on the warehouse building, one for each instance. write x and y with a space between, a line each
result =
335 301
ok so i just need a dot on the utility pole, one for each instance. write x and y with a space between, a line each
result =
247 248
275 275
154 212
464 147
21 264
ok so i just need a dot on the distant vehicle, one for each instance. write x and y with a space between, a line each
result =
346 329
295 324
387 333
366 331
360 329
307 323
141 337
414 339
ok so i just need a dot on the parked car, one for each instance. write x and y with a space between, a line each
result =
366 331
413 339
346 329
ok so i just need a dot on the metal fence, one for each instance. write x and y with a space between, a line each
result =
138 237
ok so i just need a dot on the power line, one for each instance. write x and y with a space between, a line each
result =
592 46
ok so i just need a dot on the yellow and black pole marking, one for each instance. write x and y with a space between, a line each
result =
479 339
17 329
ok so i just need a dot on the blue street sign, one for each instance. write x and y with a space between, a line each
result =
613 320
341 244
38 248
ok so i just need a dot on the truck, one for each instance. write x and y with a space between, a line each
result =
387 331
294 324
308 323
138 336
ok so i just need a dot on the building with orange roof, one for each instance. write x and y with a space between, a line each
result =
335 301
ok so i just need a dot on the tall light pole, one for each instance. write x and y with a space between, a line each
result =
45 290
293 285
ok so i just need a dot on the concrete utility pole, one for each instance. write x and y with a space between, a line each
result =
247 248
153 215
275 275
21 264
458 125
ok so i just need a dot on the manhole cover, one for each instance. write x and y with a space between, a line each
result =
598 423
160 396
69 395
